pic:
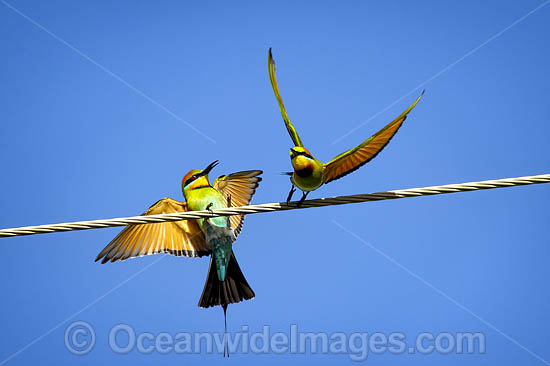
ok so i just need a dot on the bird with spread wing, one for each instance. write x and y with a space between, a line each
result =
225 283
309 173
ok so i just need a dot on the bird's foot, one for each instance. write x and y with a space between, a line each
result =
292 190
229 221
304 195
209 209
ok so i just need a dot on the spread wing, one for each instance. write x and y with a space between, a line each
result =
353 159
176 238
290 128
241 186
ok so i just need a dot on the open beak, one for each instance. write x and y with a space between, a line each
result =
209 167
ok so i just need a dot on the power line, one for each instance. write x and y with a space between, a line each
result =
271 207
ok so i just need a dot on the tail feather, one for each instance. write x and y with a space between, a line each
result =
234 289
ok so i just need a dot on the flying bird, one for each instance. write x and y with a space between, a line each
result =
214 236
309 173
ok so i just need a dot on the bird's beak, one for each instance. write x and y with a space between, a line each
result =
209 167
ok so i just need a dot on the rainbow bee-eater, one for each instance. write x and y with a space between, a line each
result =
309 173
225 283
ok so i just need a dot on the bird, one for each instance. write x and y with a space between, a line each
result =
309 173
214 236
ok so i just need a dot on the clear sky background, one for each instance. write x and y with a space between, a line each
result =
81 141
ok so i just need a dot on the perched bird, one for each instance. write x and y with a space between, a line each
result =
309 173
225 283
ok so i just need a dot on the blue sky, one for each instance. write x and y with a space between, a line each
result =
95 124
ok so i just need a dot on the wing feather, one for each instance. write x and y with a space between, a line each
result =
140 249
273 78
180 238
353 159
241 186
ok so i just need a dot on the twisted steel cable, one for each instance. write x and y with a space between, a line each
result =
270 207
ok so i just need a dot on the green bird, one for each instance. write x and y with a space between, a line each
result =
309 173
225 283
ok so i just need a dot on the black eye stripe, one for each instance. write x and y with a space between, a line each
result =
297 153
190 180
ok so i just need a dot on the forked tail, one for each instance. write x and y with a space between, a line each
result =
234 289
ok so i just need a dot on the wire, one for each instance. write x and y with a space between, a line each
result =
271 207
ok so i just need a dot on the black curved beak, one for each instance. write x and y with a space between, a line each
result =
209 167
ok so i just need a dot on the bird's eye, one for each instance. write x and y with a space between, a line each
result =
190 180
